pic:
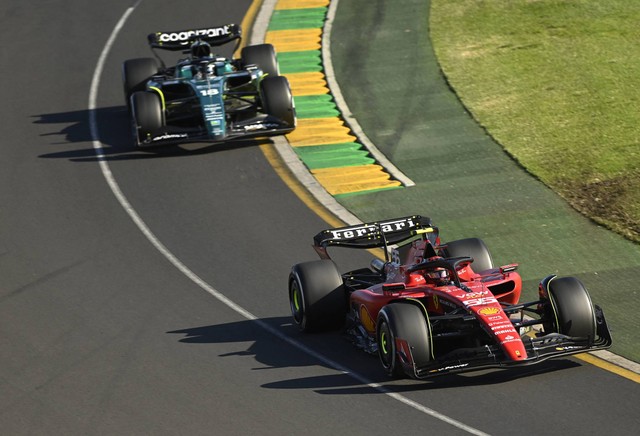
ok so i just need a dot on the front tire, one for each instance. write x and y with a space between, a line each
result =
277 100
317 297
402 321
263 56
146 112
471 247
135 73
571 311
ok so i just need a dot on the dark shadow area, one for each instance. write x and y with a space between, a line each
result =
363 366
115 138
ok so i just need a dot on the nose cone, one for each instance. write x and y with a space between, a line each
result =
512 345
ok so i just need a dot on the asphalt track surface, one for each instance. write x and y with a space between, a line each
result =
101 334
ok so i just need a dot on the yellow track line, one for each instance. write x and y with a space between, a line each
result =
607 366
301 4
303 84
295 40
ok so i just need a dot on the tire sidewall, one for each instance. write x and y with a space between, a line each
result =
277 99
317 297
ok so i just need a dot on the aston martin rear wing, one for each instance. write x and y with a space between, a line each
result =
374 234
181 39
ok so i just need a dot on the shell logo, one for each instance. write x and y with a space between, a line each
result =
489 311
366 320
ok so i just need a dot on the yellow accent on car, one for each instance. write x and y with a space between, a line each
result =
159 91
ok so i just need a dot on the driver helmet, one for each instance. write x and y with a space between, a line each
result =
438 276
200 49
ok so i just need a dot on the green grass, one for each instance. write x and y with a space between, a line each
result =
557 84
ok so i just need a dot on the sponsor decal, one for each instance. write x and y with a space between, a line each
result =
509 338
569 347
353 233
366 230
436 302
518 353
499 325
489 311
170 136
449 367
189 34
475 294
503 331
253 127
447 303
480 301
493 318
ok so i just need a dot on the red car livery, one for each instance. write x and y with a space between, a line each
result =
431 308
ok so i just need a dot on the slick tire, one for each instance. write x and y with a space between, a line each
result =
572 310
135 73
472 247
405 321
317 297
146 114
263 56
277 100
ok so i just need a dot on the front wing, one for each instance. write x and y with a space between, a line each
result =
175 135
538 349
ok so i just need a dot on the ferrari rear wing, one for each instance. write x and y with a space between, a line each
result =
374 234
181 39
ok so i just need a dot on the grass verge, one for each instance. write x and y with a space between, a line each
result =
557 84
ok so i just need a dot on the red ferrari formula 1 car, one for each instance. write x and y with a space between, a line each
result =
444 308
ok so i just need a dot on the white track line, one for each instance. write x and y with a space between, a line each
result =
115 188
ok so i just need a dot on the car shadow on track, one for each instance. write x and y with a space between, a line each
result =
115 138
333 348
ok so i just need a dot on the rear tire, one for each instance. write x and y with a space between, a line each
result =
146 113
317 297
405 321
573 313
277 100
135 73
472 247
263 56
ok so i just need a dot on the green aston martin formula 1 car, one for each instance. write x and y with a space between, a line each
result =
205 97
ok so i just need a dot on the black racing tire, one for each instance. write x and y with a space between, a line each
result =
263 56
317 297
405 321
146 114
277 100
572 311
472 247
135 73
